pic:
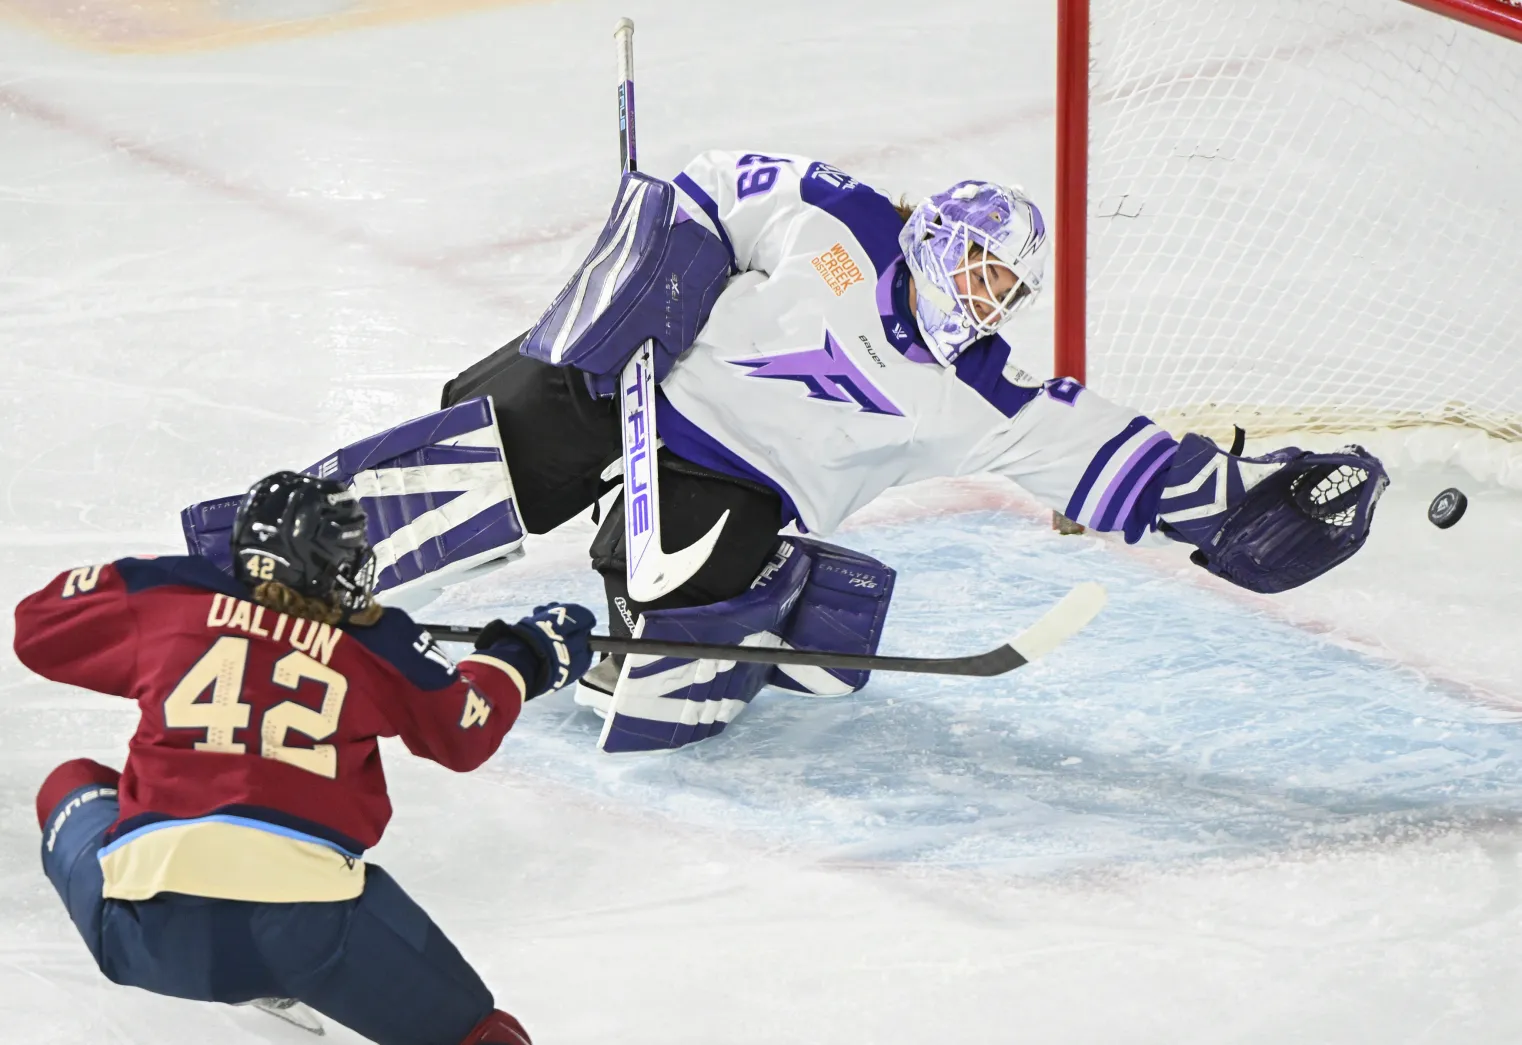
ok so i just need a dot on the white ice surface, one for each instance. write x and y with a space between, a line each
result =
1213 817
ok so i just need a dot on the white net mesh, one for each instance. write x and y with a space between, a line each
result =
1305 215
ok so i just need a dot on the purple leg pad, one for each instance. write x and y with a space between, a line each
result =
435 489
809 596
842 609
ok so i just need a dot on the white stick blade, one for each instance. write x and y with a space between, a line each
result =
1062 621
661 572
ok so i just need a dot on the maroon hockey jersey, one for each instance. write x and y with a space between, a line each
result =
254 773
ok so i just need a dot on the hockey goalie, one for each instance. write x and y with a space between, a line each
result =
816 344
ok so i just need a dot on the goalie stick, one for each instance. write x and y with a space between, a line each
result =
653 571
1060 623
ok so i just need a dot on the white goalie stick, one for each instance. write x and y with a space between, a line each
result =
1058 624
652 571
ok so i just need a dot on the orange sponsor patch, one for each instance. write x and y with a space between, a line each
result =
837 269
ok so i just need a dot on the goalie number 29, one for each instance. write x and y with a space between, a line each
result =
221 669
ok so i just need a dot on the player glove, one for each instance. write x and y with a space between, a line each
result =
550 647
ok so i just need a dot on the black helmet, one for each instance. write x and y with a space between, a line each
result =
308 534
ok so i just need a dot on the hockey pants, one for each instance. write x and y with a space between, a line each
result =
558 441
376 964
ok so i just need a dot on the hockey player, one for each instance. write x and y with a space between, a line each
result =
225 861
817 344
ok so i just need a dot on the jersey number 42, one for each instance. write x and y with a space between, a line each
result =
221 670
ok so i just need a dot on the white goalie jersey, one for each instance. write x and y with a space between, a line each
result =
809 374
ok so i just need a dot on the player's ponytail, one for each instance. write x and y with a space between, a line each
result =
284 599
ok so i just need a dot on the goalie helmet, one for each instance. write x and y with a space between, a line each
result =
977 252
308 534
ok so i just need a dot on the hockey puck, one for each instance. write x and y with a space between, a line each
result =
1447 508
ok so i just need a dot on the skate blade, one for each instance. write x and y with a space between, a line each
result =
291 1011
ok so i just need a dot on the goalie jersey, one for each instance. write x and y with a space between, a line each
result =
809 376
254 772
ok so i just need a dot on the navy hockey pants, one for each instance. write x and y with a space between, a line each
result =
377 963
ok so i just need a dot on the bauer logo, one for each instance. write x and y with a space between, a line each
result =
622 605
74 803
837 269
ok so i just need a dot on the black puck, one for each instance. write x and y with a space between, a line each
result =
1447 508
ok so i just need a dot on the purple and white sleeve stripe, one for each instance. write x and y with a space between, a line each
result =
693 191
1117 475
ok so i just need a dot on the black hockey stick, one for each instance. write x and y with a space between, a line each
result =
1055 627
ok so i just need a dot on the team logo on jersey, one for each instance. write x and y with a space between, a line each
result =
828 373
837 269
833 176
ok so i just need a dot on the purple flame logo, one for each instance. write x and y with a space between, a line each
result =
828 373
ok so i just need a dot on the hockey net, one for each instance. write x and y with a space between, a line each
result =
1300 215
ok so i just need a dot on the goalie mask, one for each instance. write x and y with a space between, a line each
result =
976 252
308 534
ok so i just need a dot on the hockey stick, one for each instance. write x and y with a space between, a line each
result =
1056 626
653 572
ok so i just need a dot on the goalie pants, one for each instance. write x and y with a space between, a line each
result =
377 964
559 440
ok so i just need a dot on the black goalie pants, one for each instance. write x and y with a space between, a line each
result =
559 440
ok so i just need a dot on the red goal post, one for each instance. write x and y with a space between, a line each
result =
1293 215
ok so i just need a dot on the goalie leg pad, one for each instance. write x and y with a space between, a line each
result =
810 595
436 493
842 609
650 275
1270 523
666 702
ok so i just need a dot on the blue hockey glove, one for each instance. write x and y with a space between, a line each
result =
549 648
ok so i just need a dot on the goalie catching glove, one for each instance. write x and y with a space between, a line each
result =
1269 523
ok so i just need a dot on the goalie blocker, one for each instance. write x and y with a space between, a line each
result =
654 274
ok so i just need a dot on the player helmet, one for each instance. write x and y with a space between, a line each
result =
307 534
988 238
